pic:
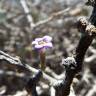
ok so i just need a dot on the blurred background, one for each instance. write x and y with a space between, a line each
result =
16 36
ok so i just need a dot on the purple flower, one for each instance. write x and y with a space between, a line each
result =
44 42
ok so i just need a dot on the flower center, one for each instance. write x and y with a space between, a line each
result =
42 42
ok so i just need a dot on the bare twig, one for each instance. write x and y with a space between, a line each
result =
26 10
51 17
58 77
16 61
30 19
45 76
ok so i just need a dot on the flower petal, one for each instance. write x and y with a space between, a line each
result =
34 42
44 42
38 39
38 46
47 38
48 45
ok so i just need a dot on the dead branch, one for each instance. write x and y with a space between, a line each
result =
16 61
30 18
51 17
26 10
53 74
87 37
